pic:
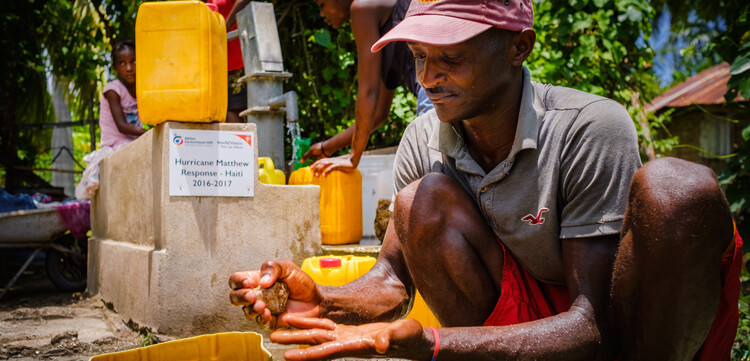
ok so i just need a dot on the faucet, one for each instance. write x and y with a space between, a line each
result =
288 99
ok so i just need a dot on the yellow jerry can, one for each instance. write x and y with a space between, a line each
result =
340 270
301 176
422 313
227 346
337 270
340 204
181 62
268 174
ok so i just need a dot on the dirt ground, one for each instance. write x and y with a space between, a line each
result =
39 322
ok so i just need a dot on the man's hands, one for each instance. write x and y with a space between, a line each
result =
303 293
402 338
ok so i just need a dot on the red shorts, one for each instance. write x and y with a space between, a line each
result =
524 299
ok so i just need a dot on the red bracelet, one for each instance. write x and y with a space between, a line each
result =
437 342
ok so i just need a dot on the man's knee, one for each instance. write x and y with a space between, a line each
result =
429 197
678 195
677 184
434 189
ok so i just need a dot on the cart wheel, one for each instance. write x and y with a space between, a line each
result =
67 271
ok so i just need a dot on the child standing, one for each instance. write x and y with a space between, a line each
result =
118 114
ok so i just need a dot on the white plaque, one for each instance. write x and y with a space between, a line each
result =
211 163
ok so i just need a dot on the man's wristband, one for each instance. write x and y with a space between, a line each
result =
437 342
322 149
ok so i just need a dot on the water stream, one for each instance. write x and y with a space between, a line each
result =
295 133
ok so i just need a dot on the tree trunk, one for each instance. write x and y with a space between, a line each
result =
9 136
62 140
647 144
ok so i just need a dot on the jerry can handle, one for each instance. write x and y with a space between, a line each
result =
267 163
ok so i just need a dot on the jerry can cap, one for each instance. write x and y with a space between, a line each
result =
330 262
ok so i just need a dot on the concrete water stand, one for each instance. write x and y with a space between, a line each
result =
163 261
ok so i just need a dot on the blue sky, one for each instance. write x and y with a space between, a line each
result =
670 49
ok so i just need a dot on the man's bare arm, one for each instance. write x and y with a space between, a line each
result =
581 333
382 294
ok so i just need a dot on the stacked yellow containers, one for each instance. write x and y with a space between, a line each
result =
181 62
340 270
340 204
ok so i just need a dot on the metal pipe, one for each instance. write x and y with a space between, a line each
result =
264 69
288 99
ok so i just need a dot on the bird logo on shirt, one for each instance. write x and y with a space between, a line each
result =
535 220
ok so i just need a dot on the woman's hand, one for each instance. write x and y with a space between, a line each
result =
315 151
327 165
402 338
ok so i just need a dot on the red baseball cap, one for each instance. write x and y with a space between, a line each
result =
448 22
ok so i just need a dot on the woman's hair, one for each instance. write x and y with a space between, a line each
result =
120 46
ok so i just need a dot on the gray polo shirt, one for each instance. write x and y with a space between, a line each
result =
567 174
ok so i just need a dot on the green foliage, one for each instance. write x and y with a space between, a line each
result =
593 46
733 46
658 122
589 45
323 61
686 47
70 39
75 48
739 83
40 37
730 44
148 338
736 179
117 17
23 90
403 111
741 348
82 146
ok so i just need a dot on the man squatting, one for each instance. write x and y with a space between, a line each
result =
524 218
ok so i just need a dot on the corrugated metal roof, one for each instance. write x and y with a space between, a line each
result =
706 87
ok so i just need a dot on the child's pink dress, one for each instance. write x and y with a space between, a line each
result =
110 135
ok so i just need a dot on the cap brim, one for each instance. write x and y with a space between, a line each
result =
438 30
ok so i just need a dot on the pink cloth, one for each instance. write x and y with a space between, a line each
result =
111 136
76 216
